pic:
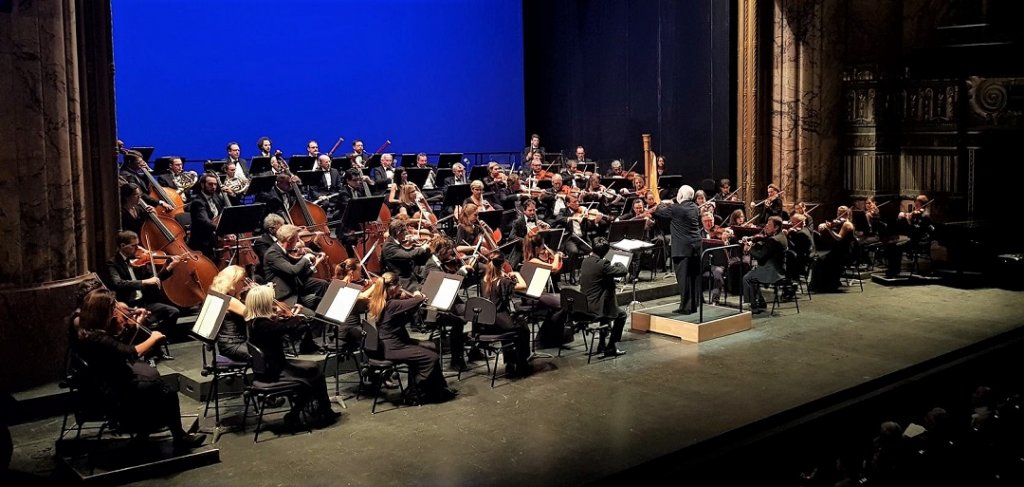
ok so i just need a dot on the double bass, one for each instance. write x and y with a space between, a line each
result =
191 278
313 218
375 232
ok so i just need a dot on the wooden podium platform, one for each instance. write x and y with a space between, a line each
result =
718 322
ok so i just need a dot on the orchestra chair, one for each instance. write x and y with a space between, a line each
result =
529 309
334 348
87 404
854 265
917 252
221 368
377 369
482 312
782 285
581 318
259 392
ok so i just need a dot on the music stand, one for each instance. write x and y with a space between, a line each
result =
372 162
670 183
259 165
616 256
614 183
447 160
362 210
491 217
478 172
623 229
261 184
240 219
536 277
145 152
215 166
211 316
162 166
408 160
442 174
586 166
441 289
338 302
554 158
301 163
723 209
418 175
455 194
548 167
553 237
311 179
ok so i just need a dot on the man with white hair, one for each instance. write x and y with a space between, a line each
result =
686 246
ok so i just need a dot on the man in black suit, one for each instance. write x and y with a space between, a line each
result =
533 147
293 276
403 260
330 181
458 175
597 282
235 157
205 210
383 175
170 180
770 253
132 172
271 223
280 197
686 246
137 286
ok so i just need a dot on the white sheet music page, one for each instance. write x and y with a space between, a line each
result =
540 279
620 259
445 294
342 305
630 245
206 323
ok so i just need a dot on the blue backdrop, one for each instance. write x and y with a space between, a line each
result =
430 75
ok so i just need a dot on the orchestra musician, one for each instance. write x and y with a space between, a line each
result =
701 199
554 197
235 157
500 287
132 172
533 147
206 209
280 198
289 265
133 211
263 147
571 173
136 285
350 271
725 191
552 332
916 227
716 270
235 183
232 336
597 282
801 209
358 157
616 170
330 180
267 329
131 389
384 174
458 175
770 253
313 149
401 254
738 219
477 198
581 155
535 172
837 243
443 258
661 166
773 205
594 191
686 246
394 310
469 231
271 223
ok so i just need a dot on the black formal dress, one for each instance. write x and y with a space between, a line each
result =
597 282
268 334
686 249
501 295
232 337
403 261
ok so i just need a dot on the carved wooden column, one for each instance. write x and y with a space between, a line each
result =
750 99
58 188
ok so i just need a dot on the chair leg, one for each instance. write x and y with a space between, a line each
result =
261 406
215 392
246 396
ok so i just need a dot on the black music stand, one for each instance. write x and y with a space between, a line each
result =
372 162
259 165
442 174
455 194
586 166
619 256
338 302
161 166
240 219
670 183
418 175
215 166
491 217
554 158
536 277
478 172
408 160
623 229
441 289
260 184
615 183
725 208
301 163
551 168
310 179
145 152
553 237
447 160
362 210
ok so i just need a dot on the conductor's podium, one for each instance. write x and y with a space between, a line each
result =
718 321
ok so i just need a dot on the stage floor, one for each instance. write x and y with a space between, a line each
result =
572 423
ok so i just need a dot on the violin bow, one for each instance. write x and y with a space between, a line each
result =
152 262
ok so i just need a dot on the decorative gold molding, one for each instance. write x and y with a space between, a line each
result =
747 146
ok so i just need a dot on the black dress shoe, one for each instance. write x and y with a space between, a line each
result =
613 352
189 441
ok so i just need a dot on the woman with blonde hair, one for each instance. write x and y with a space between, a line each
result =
394 309
266 331
232 337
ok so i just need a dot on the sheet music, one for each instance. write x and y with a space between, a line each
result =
630 245
208 323
620 259
537 283
342 305
445 294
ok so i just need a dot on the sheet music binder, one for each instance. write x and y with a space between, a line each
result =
536 277
338 301
211 316
441 289
259 165
301 163
616 256
447 160
241 219
626 229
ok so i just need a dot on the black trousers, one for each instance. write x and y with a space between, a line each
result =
312 382
504 323
311 292
618 323
149 403
424 364
687 281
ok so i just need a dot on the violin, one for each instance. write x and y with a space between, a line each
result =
282 309
144 257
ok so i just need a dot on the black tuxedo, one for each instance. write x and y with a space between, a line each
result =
451 180
686 248
118 278
260 246
241 166
143 183
403 262
770 255
293 278
597 282
275 199
202 237
381 181
335 184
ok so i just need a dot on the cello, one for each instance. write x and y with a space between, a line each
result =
191 278
161 193
312 217
374 231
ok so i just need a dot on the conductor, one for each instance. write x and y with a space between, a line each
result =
686 246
